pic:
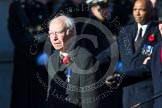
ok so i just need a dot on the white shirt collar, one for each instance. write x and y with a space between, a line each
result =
64 54
144 27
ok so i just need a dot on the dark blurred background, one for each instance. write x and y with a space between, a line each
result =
6 56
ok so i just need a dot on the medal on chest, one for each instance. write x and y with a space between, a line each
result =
68 74
147 50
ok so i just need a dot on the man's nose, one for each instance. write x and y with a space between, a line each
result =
54 36
138 12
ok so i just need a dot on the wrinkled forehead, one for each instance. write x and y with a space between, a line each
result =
57 25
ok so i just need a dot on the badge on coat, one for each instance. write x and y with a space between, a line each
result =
147 50
68 74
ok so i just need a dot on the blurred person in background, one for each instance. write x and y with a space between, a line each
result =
99 13
155 10
28 35
156 68
121 11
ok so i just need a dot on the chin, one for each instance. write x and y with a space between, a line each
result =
59 49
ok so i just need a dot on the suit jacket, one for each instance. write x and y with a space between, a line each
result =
81 91
128 56
156 70
155 66
132 59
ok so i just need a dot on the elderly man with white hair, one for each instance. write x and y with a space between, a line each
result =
73 71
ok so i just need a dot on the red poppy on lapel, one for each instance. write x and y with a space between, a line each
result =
66 60
151 37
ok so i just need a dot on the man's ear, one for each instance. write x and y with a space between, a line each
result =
67 32
70 31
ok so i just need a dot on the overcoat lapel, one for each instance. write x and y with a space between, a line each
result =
55 57
134 32
133 35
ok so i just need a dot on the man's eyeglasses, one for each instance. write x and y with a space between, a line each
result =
58 34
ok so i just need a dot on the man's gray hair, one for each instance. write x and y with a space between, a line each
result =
68 21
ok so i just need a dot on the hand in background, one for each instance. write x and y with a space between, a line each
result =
113 81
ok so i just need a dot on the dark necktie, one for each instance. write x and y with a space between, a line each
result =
139 40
